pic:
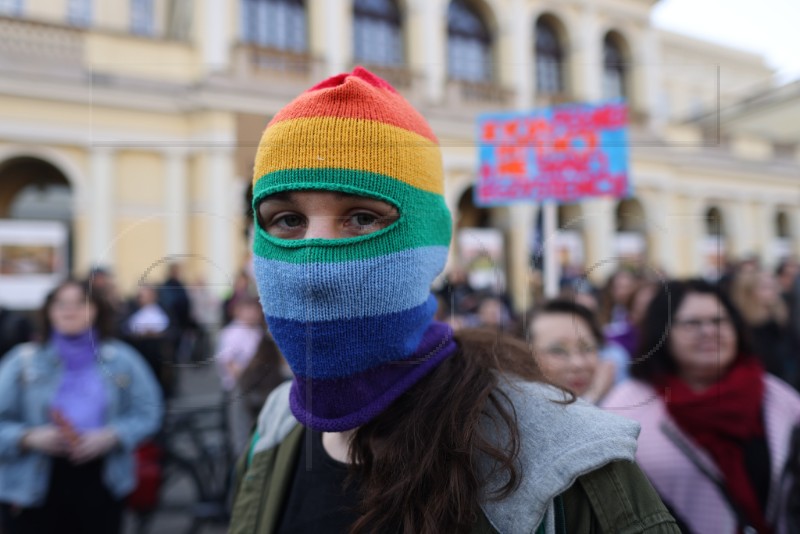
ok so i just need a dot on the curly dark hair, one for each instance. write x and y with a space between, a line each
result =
104 319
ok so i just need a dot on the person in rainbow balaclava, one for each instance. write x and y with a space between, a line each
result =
391 422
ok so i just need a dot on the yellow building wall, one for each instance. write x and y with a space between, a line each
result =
142 57
140 180
139 252
46 10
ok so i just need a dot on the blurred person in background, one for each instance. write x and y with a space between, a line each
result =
101 281
788 276
149 318
757 297
615 306
565 339
149 330
191 340
715 427
239 340
72 411
493 313
747 265
612 367
205 305
457 290
243 286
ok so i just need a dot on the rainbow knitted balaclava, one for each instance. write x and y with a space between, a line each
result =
354 317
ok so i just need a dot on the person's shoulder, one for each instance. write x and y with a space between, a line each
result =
617 497
24 361
629 393
15 357
781 395
276 419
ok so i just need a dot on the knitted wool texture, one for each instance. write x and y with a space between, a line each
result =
353 316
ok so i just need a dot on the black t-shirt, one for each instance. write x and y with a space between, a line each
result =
318 500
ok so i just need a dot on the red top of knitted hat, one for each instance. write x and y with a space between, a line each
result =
358 72
356 95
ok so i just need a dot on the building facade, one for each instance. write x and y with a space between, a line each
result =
135 122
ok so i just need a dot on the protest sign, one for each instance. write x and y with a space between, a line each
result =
562 153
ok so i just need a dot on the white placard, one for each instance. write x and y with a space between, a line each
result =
33 260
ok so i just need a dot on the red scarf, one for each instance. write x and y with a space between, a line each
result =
720 419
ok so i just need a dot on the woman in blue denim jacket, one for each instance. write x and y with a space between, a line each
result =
72 411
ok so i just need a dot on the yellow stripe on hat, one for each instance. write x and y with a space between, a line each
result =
347 143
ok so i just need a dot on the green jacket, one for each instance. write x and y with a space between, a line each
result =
612 496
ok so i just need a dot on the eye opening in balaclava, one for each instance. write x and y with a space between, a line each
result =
351 193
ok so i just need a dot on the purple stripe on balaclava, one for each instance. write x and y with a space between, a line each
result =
340 404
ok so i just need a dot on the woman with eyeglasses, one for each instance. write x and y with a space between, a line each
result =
716 427
565 339
72 411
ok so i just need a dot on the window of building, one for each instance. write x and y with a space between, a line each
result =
613 68
714 222
782 226
11 7
277 24
142 17
79 12
469 44
377 33
549 59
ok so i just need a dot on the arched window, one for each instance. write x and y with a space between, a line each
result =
277 24
469 44
11 8
79 13
142 17
613 68
549 59
782 226
377 33
630 216
714 222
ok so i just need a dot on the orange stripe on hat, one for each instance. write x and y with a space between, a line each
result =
356 95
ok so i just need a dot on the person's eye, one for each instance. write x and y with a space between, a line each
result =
558 351
291 220
367 221
364 219
283 224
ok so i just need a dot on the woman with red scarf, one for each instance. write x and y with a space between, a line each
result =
716 427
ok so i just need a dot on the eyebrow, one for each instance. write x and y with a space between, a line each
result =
288 196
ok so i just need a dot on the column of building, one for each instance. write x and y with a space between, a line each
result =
103 201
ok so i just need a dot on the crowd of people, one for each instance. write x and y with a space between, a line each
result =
709 369
365 397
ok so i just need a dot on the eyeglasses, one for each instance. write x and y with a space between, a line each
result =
695 324
69 304
561 352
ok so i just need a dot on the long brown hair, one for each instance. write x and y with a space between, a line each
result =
416 464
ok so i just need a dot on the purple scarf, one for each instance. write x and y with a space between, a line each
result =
81 397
